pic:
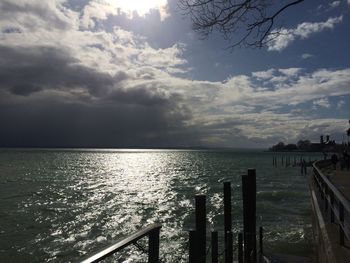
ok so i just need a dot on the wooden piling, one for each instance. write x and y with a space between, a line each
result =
192 246
302 167
249 215
214 247
201 228
227 210
240 248
229 248
261 241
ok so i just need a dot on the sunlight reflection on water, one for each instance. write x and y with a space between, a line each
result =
60 205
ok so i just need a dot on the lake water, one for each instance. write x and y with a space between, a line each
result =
61 205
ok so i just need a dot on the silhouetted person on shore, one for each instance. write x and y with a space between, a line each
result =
334 160
346 158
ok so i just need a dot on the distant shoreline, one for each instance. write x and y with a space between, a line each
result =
138 148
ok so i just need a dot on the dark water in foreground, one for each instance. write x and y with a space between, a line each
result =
59 205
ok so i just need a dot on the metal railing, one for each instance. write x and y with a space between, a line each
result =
152 231
335 203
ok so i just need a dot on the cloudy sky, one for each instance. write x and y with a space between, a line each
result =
109 73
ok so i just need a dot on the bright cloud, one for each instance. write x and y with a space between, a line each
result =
302 31
340 104
141 7
306 56
100 10
334 4
324 103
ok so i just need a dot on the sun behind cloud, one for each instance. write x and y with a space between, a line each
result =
141 7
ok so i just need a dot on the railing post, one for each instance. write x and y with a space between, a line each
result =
332 206
201 228
153 246
341 223
214 247
240 248
325 197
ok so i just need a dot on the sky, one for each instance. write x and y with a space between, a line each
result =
108 73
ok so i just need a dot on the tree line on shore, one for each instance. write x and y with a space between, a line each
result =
301 145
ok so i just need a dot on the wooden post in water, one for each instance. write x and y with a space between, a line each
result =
227 222
302 166
240 248
261 242
214 247
192 247
201 228
229 248
249 215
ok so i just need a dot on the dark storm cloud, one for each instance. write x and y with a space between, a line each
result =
24 90
80 125
50 68
114 116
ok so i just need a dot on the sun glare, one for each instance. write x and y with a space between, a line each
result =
142 7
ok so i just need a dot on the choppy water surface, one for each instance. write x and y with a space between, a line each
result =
59 205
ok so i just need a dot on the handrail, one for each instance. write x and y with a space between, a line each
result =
333 196
153 251
337 193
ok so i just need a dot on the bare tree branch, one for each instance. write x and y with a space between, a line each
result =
249 23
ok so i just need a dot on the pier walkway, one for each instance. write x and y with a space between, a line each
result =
340 178
330 195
